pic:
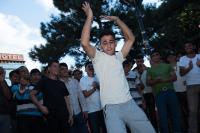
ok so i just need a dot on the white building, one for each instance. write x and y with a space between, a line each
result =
11 62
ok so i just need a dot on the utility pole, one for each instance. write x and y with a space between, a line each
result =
139 16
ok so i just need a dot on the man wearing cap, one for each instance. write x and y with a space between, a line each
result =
161 77
180 88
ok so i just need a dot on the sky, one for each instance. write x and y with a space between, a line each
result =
20 26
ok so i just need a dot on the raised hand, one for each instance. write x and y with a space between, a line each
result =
190 64
110 18
87 9
198 62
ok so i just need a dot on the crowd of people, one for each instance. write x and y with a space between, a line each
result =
113 97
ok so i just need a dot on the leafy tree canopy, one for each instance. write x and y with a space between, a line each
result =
167 26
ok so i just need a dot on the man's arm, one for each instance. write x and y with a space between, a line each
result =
172 78
70 110
129 37
38 104
185 70
82 99
85 35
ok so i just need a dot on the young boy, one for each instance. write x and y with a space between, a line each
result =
119 108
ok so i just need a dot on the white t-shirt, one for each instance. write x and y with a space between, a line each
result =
179 84
93 101
147 89
193 76
114 87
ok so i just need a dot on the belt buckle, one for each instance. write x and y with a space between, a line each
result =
164 88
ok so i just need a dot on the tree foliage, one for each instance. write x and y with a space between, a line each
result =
167 26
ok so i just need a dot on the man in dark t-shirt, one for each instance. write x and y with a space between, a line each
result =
56 104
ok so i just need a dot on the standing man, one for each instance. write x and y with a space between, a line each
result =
77 100
161 77
56 100
90 88
190 68
5 97
180 89
119 107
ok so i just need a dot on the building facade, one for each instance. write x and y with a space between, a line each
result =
11 62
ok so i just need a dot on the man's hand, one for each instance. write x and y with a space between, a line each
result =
198 62
85 115
95 85
44 110
110 18
190 65
86 8
70 120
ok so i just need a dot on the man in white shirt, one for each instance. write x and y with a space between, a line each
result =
77 100
90 88
190 69
119 107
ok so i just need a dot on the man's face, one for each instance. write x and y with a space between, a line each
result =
54 69
90 69
24 72
139 62
78 75
35 77
64 71
108 44
171 58
15 78
24 81
155 57
189 48
127 68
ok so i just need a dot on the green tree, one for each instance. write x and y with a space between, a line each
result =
167 26
63 32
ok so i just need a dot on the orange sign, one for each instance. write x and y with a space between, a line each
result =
11 57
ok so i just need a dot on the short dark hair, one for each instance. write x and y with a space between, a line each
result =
52 61
139 56
126 62
63 65
13 72
105 33
33 71
154 51
88 63
76 70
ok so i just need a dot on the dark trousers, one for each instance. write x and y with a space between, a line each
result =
57 124
182 98
150 109
96 122
30 124
5 123
79 125
167 103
